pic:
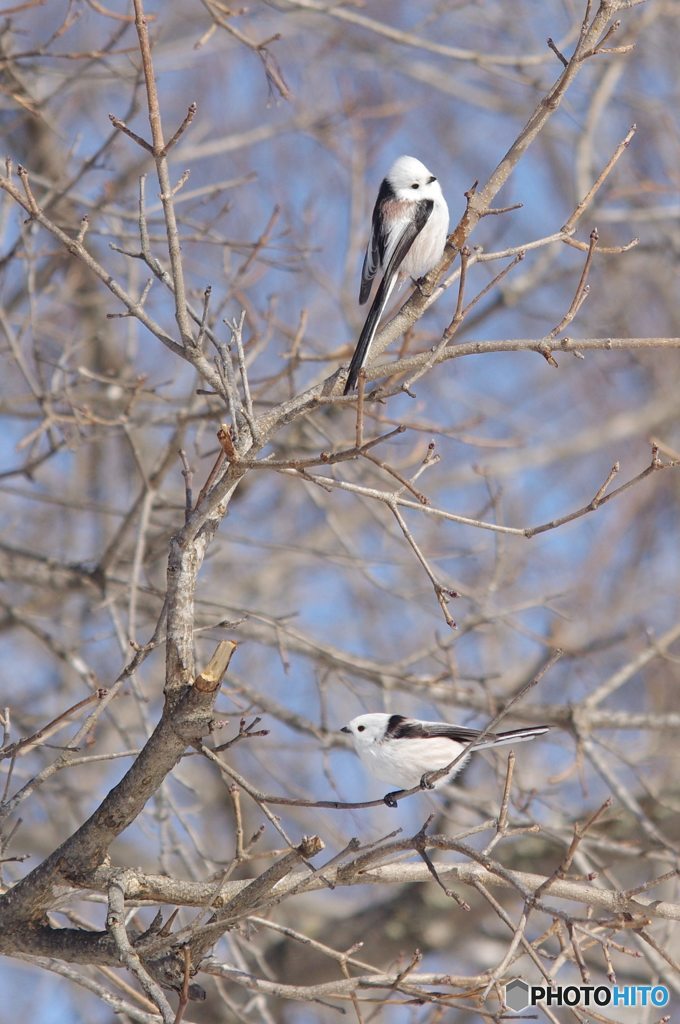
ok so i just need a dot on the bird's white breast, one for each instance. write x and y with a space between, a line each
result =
403 762
428 247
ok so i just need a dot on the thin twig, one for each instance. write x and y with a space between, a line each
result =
442 592
580 294
419 846
558 53
191 113
122 127
580 208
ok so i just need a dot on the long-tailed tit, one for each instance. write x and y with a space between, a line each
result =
403 751
408 235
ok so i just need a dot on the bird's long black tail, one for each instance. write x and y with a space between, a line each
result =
368 331
500 739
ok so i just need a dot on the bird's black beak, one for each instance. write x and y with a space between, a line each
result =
345 728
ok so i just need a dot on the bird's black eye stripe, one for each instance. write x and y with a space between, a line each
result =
360 728
431 179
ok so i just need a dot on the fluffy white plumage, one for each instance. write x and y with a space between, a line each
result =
402 750
408 234
411 184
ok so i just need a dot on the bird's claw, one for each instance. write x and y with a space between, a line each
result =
425 782
390 798
423 286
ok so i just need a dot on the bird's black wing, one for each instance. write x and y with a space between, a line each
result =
377 243
399 728
406 240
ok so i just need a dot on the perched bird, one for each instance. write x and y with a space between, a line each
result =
403 751
408 235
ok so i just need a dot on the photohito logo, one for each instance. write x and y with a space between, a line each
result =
519 995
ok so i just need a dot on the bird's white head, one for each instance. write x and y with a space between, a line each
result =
411 179
366 730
